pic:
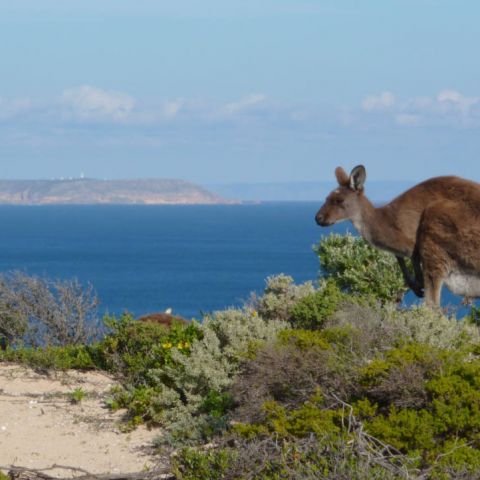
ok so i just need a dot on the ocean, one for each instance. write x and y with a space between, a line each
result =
143 259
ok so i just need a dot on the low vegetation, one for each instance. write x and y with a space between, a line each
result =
332 381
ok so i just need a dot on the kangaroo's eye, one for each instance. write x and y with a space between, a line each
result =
337 201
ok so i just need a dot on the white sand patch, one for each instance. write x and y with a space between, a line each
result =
40 427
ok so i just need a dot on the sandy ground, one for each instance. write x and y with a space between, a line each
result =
40 427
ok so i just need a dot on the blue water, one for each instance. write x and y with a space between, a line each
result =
147 258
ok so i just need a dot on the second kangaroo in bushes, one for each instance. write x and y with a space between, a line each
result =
435 223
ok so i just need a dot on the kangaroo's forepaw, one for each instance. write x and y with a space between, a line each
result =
418 291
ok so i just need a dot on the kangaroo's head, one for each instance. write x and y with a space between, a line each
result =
343 202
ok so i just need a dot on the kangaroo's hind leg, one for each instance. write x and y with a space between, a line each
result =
431 255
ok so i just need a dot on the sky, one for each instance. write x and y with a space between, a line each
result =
217 91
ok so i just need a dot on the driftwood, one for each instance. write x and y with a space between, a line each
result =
23 473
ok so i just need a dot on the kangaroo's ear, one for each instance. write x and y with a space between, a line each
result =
342 177
357 178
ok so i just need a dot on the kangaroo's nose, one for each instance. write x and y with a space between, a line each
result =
322 221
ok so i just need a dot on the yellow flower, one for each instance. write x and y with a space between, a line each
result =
180 345
187 344
167 345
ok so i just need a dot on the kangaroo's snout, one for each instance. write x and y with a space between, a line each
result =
320 219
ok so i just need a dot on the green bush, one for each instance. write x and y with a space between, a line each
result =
133 348
207 465
422 400
303 339
358 268
312 310
82 357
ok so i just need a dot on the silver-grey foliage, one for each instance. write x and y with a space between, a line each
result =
280 296
39 311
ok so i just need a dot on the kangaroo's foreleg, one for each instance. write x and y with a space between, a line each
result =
415 283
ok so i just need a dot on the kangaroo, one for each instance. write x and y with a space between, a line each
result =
435 223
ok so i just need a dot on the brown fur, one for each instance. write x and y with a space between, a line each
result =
162 318
436 223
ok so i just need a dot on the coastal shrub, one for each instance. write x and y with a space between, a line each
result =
185 389
424 401
293 451
192 464
382 327
426 325
38 311
408 378
412 411
138 352
399 377
13 324
279 297
228 338
293 459
289 372
79 357
312 310
132 348
358 268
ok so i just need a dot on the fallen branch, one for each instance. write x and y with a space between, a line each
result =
23 473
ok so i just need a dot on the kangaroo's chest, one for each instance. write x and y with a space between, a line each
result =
464 283
389 241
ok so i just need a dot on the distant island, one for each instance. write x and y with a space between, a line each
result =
85 191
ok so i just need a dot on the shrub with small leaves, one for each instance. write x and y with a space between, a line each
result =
358 268
332 455
381 327
182 384
289 372
279 297
312 310
423 400
228 339
132 348
79 357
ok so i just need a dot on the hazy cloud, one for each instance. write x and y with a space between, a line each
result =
451 99
91 103
245 104
448 108
172 108
382 101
